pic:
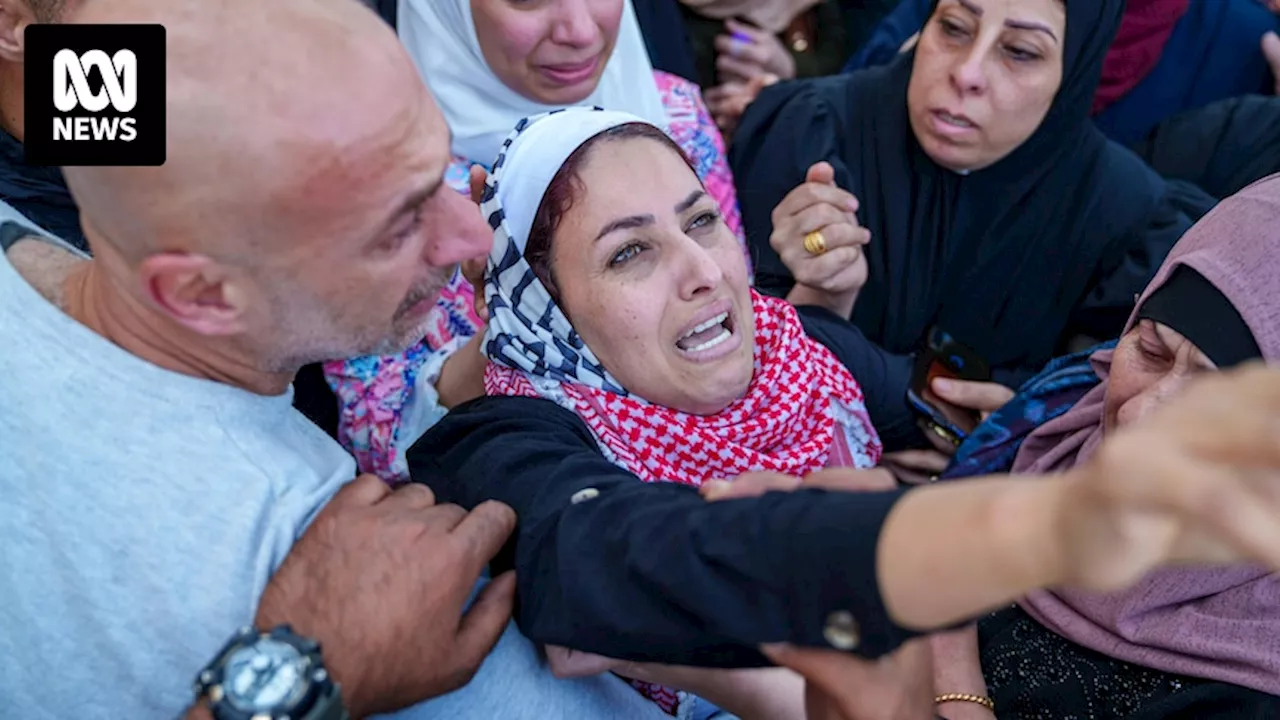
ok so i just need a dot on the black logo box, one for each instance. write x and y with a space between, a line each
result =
43 42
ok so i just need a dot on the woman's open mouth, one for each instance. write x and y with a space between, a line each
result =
710 339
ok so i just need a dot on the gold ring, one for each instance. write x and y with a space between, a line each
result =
815 243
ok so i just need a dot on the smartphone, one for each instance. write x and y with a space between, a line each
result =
945 357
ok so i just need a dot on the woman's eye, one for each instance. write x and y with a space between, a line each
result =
628 252
951 28
1021 54
1152 353
704 220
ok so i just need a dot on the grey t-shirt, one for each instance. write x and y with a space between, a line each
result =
142 513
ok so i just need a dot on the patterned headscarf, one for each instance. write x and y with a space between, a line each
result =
527 330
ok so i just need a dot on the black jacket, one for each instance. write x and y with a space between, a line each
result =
651 572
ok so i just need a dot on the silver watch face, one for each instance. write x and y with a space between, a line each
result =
265 676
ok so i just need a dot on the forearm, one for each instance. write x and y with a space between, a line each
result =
653 573
957 668
462 376
839 303
987 541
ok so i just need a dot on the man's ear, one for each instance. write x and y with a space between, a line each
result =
15 16
196 292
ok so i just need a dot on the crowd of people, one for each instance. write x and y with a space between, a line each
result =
562 359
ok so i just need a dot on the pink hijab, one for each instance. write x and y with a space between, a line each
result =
1221 624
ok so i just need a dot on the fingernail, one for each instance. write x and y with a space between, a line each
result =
942 385
741 37
853 205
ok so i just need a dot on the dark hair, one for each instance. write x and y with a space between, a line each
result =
567 186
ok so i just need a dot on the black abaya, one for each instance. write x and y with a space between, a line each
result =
1013 260
1221 147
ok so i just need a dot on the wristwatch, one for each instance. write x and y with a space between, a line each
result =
276 675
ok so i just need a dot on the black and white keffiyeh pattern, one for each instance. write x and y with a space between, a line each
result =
527 330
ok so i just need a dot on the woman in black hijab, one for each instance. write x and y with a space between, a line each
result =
1012 235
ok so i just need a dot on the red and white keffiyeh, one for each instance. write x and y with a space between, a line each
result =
801 407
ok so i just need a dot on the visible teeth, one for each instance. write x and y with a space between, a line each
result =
953 120
724 335
707 325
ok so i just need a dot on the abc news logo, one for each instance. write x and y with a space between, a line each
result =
71 90
95 95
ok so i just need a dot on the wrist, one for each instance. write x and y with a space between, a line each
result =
988 540
345 678
199 711
963 711
840 303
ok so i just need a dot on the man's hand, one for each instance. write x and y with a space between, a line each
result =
839 686
381 579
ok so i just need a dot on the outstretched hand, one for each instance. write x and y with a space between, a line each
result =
1196 483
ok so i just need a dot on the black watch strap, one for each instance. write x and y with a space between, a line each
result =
328 706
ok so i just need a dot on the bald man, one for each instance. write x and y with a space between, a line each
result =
154 475
35 196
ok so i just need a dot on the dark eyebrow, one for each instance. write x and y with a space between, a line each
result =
690 201
630 222
1024 25
1014 24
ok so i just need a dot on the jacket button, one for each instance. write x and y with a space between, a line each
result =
584 495
841 631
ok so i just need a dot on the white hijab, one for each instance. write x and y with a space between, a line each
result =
440 36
